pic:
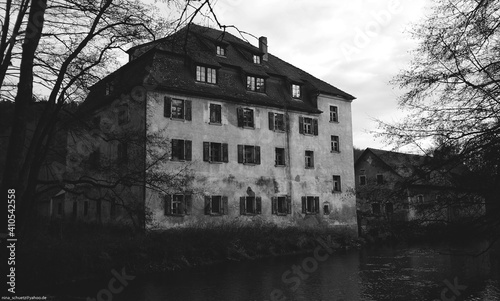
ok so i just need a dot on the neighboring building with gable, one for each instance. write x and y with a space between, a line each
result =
399 186
249 135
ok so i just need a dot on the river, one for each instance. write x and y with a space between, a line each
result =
421 272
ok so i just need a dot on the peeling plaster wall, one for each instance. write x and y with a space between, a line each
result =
266 180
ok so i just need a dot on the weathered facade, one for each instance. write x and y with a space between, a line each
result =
231 132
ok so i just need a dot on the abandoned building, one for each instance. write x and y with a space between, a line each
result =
202 126
392 186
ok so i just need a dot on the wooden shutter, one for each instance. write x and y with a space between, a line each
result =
206 151
188 150
243 210
258 205
239 113
211 112
240 154
304 205
225 157
257 155
288 204
167 204
274 205
188 204
208 207
271 121
316 204
315 126
312 159
301 125
167 106
187 111
225 205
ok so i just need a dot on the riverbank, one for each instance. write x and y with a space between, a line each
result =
69 252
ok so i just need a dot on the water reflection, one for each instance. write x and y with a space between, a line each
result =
382 273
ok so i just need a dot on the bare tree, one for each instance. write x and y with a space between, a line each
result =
452 89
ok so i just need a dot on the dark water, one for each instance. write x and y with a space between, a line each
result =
382 273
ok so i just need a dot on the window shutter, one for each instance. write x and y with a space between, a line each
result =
167 106
206 151
240 154
274 205
187 114
288 205
315 126
257 155
301 125
188 204
188 153
167 203
225 157
258 205
312 159
239 113
211 113
304 204
208 208
243 210
225 205
271 121
316 204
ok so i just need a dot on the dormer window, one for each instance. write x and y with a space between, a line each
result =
256 84
221 50
295 91
256 59
206 75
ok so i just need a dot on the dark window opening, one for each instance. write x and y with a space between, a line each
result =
280 156
309 159
215 113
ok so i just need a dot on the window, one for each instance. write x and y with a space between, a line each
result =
86 208
420 198
362 180
122 153
276 122
380 179
309 159
123 114
215 113
216 205
250 205
308 126
310 204
255 84
206 74
177 204
279 156
295 91
177 108
256 59
109 88
389 208
334 114
94 159
245 118
281 205
335 144
336 184
249 154
326 209
221 50
181 150
375 208
215 152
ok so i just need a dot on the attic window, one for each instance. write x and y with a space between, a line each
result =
256 59
221 50
295 91
206 75
255 84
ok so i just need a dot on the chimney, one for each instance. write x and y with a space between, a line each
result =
263 48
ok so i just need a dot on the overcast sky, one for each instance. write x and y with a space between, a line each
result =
355 45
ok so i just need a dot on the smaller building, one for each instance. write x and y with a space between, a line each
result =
392 186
